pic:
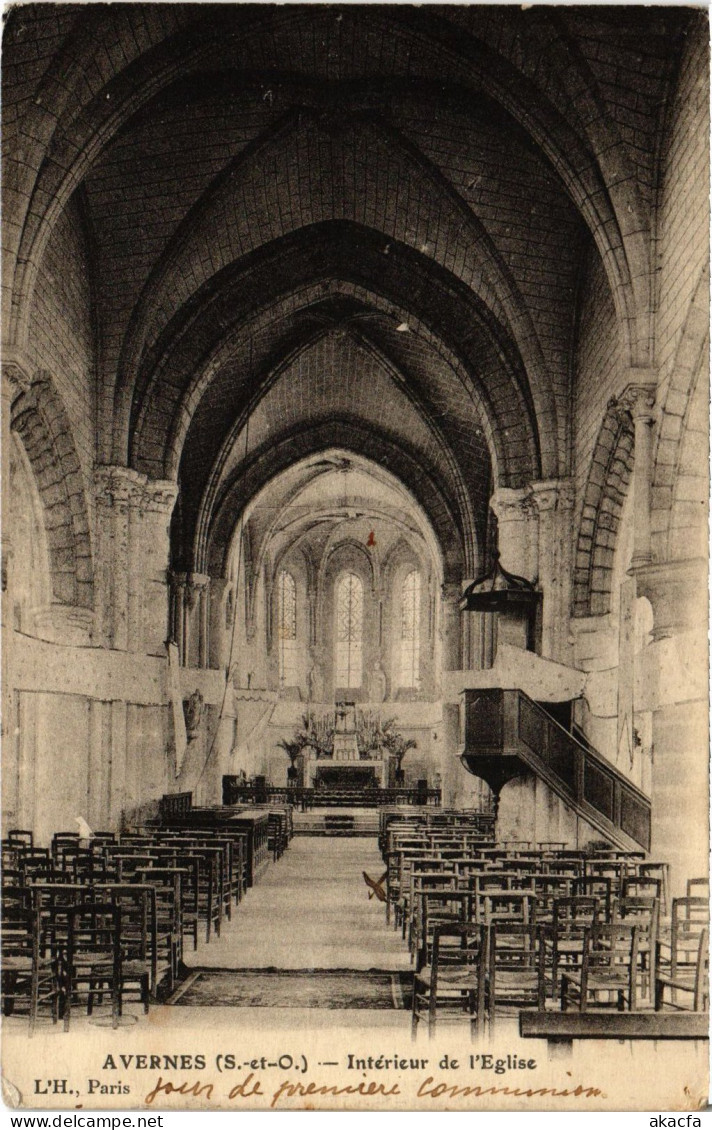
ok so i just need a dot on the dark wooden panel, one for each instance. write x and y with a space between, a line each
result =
598 789
615 1025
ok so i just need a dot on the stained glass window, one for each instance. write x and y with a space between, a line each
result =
410 631
349 631
287 630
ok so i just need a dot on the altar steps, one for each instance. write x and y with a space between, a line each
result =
354 822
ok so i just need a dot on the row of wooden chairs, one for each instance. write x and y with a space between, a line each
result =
162 885
472 970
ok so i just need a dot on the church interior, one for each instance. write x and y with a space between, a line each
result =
355 485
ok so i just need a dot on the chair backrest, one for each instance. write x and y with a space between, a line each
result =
701 998
597 887
516 946
611 957
94 929
17 836
575 913
649 886
698 888
459 944
435 908
508 907
690 916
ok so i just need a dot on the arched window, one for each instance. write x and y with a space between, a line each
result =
410 631
287 630
349 631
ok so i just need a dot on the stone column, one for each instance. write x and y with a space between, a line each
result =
452 770
115 572
132 517
674 685
220 631
196 614
16 379
177 583
552 501
639 399
158 498
516 531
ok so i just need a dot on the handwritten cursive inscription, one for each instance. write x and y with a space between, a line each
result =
428 1090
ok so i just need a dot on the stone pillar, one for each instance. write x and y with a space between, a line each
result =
552 501
16 379
157 501
117 770
639 399
178 614
674 683
114 488
97 798
516 531
197 609
453 773
132 516
220 627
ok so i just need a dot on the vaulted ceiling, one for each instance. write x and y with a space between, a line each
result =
319 226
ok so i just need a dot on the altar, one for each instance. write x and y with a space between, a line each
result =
352 773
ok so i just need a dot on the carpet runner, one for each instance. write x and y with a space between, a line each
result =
295 988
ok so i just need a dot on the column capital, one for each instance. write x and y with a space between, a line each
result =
510 504
117 485
199 580
552 494
160 495
16 373
638 397
677 591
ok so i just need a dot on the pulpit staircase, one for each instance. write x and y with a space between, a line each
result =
508 734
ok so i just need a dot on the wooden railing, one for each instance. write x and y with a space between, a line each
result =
174 805
235 792
509 724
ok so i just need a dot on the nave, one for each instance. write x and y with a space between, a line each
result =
225 908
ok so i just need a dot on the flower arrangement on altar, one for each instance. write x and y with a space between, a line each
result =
375 737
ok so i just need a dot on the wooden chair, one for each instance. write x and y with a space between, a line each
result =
678 952
643 912
27 973
507 906
608 969
642 886
20 837
516 966
547 889
91 961
598 887
649 869
564 940
698 888
453 984
688 981
139 942
437 907
167 884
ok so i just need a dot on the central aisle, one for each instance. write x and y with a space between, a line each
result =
310 910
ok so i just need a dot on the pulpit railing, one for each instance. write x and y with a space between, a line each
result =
506 732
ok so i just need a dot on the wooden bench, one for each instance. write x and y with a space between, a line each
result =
564 1027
